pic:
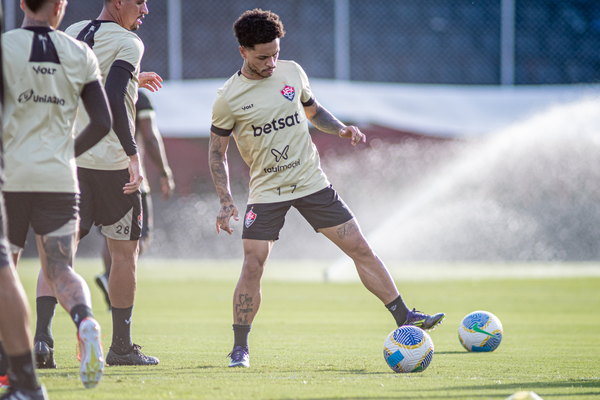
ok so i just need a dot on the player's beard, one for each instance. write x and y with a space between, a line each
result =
256 71
136 25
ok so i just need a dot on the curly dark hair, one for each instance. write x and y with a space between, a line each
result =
257 27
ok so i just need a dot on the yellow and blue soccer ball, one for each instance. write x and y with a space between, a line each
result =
480 331
408 349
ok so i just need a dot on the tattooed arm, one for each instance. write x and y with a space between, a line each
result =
220 173
326 122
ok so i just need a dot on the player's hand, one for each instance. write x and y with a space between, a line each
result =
167 185
150 80
354 134
135 175
227 211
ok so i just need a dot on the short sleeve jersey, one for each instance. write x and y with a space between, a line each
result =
270 128
143 110
45 72
112 44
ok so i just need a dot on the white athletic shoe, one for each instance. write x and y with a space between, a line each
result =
91 353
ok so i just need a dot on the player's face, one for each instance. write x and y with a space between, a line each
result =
261 61
132 13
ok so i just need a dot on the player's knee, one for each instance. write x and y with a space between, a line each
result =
253 268
361 251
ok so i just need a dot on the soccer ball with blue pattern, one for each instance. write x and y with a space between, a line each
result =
480 331
408 349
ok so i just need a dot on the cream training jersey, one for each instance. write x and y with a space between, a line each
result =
111 43
271 131
44 72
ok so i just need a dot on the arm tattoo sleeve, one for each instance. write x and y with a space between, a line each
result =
219 168
325 121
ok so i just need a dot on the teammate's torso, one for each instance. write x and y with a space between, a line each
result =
110 42
271 130
45 72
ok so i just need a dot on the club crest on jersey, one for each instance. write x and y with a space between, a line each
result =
288 92
250 218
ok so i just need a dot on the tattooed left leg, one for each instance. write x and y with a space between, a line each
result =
371 270
56 256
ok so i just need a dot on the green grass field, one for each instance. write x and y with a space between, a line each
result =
315 340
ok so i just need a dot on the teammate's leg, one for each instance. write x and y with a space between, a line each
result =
20 210
247 298
14 325
45 304
102 279
16 336
122 287
57 251
147 222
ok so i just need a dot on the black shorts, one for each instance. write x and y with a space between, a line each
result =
103 203
323 209
46 212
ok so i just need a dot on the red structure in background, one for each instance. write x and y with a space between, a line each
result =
188 157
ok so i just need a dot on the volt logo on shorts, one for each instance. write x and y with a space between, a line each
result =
283 154
288 92
250 218
276 124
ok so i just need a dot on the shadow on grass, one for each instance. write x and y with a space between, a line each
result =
461 396
206 367
530 385
350 371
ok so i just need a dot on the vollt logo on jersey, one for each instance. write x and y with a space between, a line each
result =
44 71
288 92
250 218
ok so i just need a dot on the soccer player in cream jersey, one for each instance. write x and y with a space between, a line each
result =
46 74
109 174
15 333
267 106
151 143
